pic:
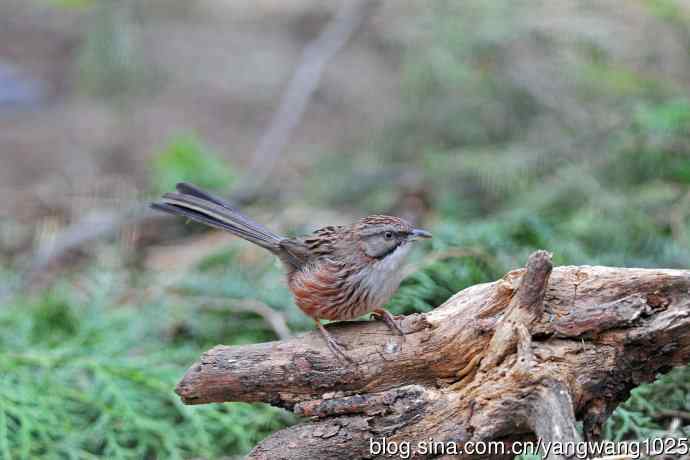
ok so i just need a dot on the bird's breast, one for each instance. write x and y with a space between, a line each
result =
341 291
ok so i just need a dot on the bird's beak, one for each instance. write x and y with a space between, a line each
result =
418 233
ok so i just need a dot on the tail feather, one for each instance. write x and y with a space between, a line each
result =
200 206
188 189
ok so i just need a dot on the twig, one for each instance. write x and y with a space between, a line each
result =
677 217
304 82
673 413
79 234
274 318
87 229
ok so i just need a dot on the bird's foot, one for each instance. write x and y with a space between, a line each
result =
336 346
337 349
391 322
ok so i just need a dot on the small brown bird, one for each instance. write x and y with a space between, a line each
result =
336 273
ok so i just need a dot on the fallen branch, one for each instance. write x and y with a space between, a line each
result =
526 356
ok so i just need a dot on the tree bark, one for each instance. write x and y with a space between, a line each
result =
523 357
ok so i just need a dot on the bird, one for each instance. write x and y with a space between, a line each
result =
335 273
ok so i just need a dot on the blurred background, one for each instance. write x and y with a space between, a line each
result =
502 126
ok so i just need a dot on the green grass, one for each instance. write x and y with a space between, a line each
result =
83 377
188 158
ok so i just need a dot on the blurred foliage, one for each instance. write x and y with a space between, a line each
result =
81 378
642 416
570 148
187 158
72 3
112 62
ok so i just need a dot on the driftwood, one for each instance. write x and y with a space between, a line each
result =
524 357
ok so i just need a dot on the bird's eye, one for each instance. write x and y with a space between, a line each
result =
388 235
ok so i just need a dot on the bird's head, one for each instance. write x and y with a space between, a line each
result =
383 236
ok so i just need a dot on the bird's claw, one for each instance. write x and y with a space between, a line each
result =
390 320
337 348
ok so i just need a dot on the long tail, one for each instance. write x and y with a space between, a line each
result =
195 204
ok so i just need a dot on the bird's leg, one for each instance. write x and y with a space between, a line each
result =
382 314
336 347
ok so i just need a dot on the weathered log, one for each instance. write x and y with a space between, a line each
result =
507 361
